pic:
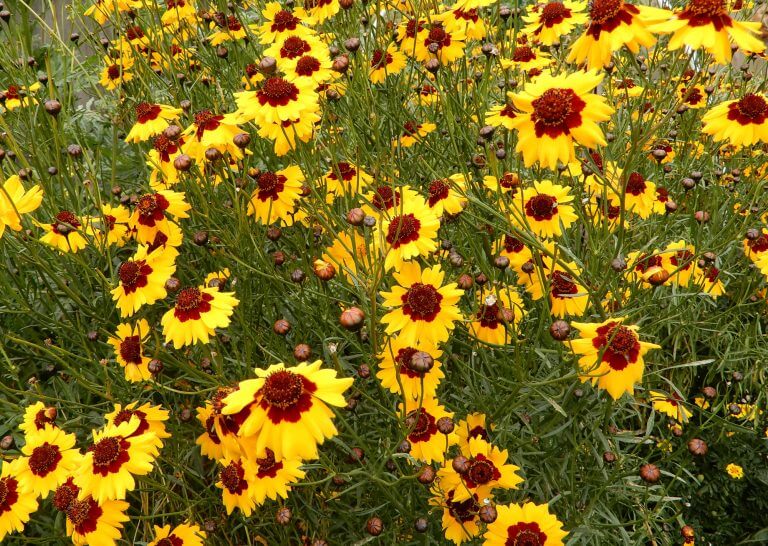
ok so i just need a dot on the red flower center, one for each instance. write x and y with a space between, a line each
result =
206 121
438 190
541 207
151 207
147 112
620 345
380 59
462 511
8 493
64 495
706 7
422 302
554 13
346 170
134 33
294 47
554 106
106 451
268 467
412 27
130 350
270 185
68 219
481 471
284 20
753 107
283 389
437 35
77 512
601 11
125 415
170 540
402 230
113 72
307 65
278 92
188 299
523 54
636 184
422 425
513 244
133 275
525 534
562 285
232 478
384 198
12 92
44 459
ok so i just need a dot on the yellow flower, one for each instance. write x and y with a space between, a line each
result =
544 209
422 307
116 71
498 317
345 178
277 100
428 444
446 195
279 22
151 209
17 500
15 201
36 418
611 355
151 120
183 534
742 122
735 471
528 523
396 374
273 477
276 194
556 112
410 231
88 521
141 280
196 315
460 519
50 458
547 23
65 233
151 419
670 405
386 63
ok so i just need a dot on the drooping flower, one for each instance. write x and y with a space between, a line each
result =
386 62
17 500
410 231
50 458
446 195
414 133
557 112
236 480
473 426
528 524
141 280
460 520
344 178
670 405
197 313
37 417
210 130
423 308
16 201
610 355
152 209
151 419
289 408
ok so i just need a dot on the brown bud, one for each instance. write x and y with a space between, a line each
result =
324 271
302 352
346 4
421 525
465 282
501 262
155 366
753 234
93 335
268 65
352 319
340 64
356 455
298 276
737 376
356 216
670 206
527 268
242 140
283 516
709 392
212 154
650 473
460 464
426 474
404 447
182 163
53 107
278 257
698 447
609 457
445 425
734 409
281 327
688 183
432 65
676 430
374 526
420 362
364 371
172 132
352 44
7 442
185 415
200 238
488 513
172 284
659 277
688 532
560 330
659 154
701 216
481 279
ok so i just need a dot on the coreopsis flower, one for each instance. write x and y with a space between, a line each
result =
151 419
386 62
90 522
460 520
15 201
184 534
610 355
350 253
558 280
65 233
428 444
639 195
734 471
557 112
178 12
227 29
514 250
529 524
151 120
276 194
679 259
530 60
507 185
741 122
17 500
102 10
498 314
423 308
210 130
756 248
274 477
115 456
544 209
151 210
279 23
627 88
277 100
474 426
466 22
502 115
692 96
315 67
322 10
219 440
446 195
410 232
670 405
385 200
141 280
236 480
160 159
117 71
645 267
547 23
614 24
487 470
707 278
37 417
344 178
289 408
707 24
435 41
413 133
49 459
286 134
397 375
196 315
291 47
